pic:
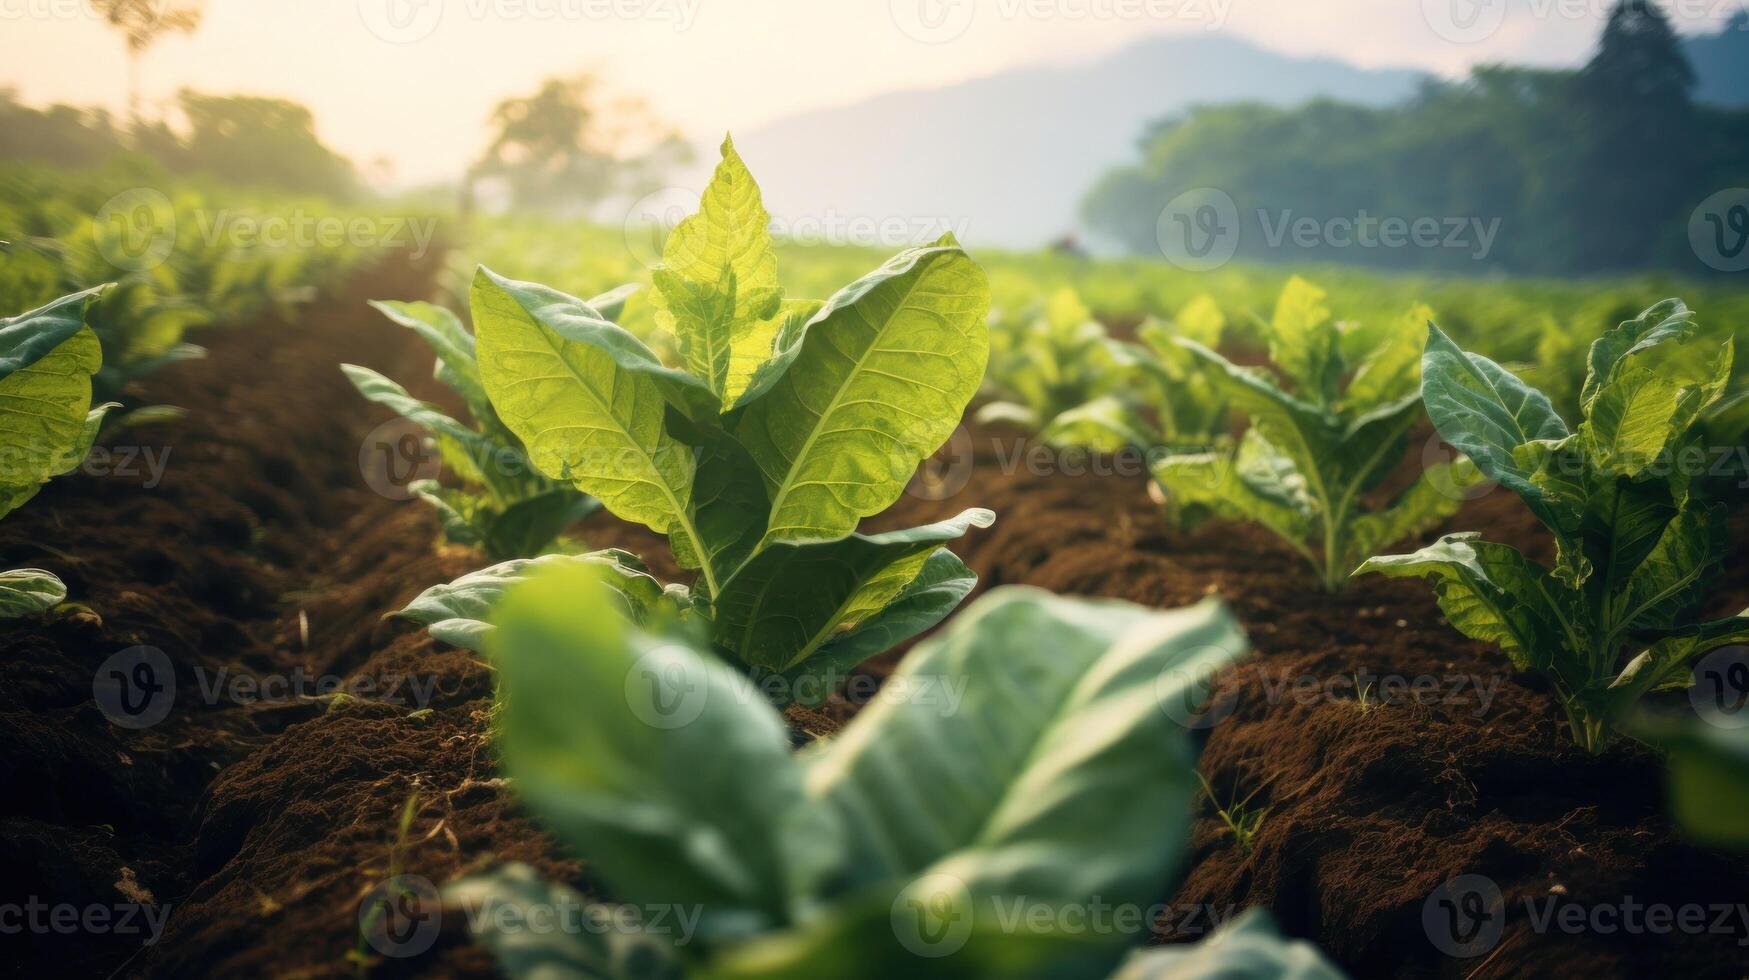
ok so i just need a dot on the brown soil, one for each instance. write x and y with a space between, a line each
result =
262 824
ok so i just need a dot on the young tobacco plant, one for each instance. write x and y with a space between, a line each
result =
506 507
785 424
1317 446
897 848
47 425
1062 375
1636 550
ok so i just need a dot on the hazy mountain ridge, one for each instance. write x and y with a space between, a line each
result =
996 141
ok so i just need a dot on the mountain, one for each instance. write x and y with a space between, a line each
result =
1005 159
1721 63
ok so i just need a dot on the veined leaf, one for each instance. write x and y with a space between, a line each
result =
1678 566
44 415
753 348
872 386
30 336
459 612
790 600
587 399
1489 592
719 276
1487 413
1304 343
1663 322
938 589
995 794
605 728
26 591
1258 484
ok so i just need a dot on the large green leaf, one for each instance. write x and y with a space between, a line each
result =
389 394
588 400
1247 948
790 600
873 385
607 731
1489 592
24 591
1487 413
46 419
1067 712
1665 664
30 336
1258 484
1678 568
1393 369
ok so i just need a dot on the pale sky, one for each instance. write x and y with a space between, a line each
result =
413 80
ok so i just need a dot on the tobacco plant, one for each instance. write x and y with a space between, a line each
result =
47 425
505 507
1325 433
1637 550
896 848
1062 375
785 423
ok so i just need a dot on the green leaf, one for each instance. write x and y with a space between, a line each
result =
718 282
507 906
587 399
937 591
1104 424
459 612
1304 343
612 304
29 337
1709 784
389 394
1436 495
1487 413
1664 322
754 348
46 418
444 333
1629 422
527 527
790 600
1681 561
1665 664
1067 711
1393 370
1489 592
1247 948
26 591
1259 484
605 729
875 384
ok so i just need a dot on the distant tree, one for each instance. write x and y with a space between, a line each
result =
143 22
250 140
1633 103
565 148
